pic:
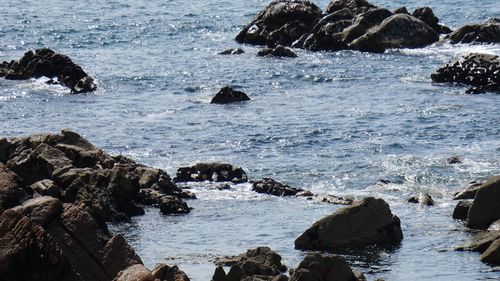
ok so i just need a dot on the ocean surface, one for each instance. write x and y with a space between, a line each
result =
332 123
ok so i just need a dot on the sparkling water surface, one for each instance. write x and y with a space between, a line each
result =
328 122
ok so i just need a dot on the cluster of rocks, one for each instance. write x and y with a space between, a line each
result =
45 62
480 210
211 171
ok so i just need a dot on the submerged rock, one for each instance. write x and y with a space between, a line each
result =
323 268
454 160
229 95
211 171
278 51
487 32
482 71
273 187
45 62
423 199
235 51
369 221
486 208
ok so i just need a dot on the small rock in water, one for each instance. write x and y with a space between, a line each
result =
229 95
485 208
235 51
211 171
423 199
223 186
278 51
455 160
273 187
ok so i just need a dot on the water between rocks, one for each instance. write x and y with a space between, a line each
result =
328 122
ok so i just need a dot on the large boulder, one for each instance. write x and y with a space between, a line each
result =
486 208
397 31
355 6
27 252
229 95
273 187
11 188
426 15
211 171
45 62
482 71
363 23
369 221
487 32
319 267
461 210
281 22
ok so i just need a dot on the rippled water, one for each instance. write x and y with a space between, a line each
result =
328 122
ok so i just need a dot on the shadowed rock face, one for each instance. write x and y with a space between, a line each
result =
485 209
482 71
45 62
487 32
369 221
323 268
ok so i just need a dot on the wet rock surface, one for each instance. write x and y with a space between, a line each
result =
45 62
211 171
229 95
482 71
485 208
273 187
469 192
487 32
423 199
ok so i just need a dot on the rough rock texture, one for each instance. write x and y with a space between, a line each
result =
41 210
260 263
229 95
11 188
281 22
486 208
426 15
323 268
235 51
212 171
487 32
469 192
136 272
423 199
70 168
273 187
278 52
169 273
365 222
482 71
45 62
397 31
337 200
492 254
461 210
27 252
355 6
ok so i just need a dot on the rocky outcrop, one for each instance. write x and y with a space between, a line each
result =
281 22
211 171
482 71
426 15
485 209
68 167
487 32
469 192
323 268
273 187
369 221
45 62
422 199
261 263
229 95
277 52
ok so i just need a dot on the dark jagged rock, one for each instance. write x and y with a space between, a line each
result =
229 95
235 51
487 32
281 22
363 23
426 15
173 205
482 71
369 221
278 51
273 187
11 188
401 10
211 171
454 160
319 267
355 6
29 253
485 209
423 199
45 62
469 192
461 210
169 273
397 31
260 263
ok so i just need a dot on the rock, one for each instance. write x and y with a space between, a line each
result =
369 221
212 171
235 51
327 37
305 193
423 199
454 160
93 252
332 199
261 262
41 210
318 267
355 6
136 272
494 226
469 192
273 187
461 210
482 71
363 23
169 273
487 32
401 10
279 51
492 254
426 15
223 186
485 208
4 150
173 205
11 190
45 62
229 95
27 252
480 242
397 31
47 187
281 22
